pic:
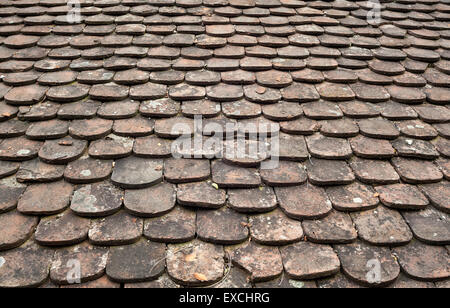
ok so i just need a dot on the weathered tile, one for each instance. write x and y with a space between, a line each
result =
186 170
429 226
336 228
438 194
371 148
305 260
90 129
163 198
111 147
136 262
26 95
424 262
402 196
329 172
285 174
152 147
328 147
405 282
374 171
92 263
223 226
87 170
416 171
275 228
118 229
8 168
100 199
25 266
353 197
62 230
200 194
368 265
62 151
382 226
195 263
417 129
263 263
17 229
228 176
38 171
177 226
304 202
135 172
19 149
45 199
416 148
337 281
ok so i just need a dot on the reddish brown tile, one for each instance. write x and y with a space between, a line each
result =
296 255
118 229
136 262
177 226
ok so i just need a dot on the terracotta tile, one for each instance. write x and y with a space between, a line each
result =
294 255
62 151
184 170
135 172
402 196
371 148
163 198
45 199
15 270
353 197
118 110
249 258
228 176
328 147
356 263
374 171
68 93
177 226
390 230
111 147
336 228
8 168
38 171
18 229
304 202
62 230
195 263
136 262
223 226
92 264
329 172
200 194
275 228
118 229
417 257
416 171
100 199
429 226
438 194
378 128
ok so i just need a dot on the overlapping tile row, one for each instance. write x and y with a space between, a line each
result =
87 111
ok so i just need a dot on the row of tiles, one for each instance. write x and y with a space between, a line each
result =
323 114
299 199
198 263
227 225
276 14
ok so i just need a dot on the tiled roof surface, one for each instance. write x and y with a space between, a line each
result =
361 111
